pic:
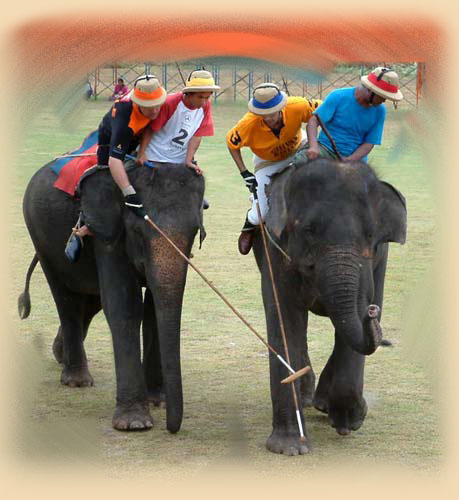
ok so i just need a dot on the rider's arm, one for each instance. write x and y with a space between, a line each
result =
237 157
119 173
144 141
311 130
193 146
360 152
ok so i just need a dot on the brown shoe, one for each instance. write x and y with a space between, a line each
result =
245 242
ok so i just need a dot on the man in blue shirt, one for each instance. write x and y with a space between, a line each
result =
354 117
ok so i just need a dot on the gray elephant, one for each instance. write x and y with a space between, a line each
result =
334 221
125 255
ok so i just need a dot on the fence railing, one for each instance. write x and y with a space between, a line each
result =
238 83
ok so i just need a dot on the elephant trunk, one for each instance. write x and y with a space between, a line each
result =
355 321
166 276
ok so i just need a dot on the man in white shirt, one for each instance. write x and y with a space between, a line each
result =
175 135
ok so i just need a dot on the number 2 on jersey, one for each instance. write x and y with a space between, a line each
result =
182 135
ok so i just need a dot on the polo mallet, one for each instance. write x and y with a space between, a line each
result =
295 374
330 138
82 155
291 379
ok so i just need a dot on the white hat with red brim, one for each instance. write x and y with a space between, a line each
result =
383 82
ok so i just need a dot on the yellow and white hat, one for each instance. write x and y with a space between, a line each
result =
200 80
148 92
383 82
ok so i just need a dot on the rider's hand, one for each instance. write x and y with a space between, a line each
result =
313 152
141 159
134 202
249 180
195 167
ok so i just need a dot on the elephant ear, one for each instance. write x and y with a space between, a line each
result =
102 207
391 213
276 217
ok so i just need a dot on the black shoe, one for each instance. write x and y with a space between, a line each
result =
73 248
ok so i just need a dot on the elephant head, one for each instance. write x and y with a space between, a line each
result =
334 220
172 196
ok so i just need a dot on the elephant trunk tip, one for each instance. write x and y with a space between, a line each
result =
375 331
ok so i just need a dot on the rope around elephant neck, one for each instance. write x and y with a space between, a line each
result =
295 374
272 240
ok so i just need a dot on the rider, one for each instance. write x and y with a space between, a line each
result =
119 133
186 116
272 130
354 117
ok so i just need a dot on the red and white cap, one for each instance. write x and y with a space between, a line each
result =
383 82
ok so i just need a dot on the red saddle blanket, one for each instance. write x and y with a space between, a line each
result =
70 167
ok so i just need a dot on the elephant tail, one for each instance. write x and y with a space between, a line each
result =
24 299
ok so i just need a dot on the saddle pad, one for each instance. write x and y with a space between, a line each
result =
70 169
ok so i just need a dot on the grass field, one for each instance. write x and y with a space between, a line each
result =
225 368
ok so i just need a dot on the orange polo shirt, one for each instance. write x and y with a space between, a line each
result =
251 130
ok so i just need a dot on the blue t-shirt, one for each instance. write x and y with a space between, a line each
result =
349 123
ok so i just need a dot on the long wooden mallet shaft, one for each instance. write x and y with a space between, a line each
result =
330 138
279 315
225 300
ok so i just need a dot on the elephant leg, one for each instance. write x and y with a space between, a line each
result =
58 346
69 344
92 307
308 381
320 401
151 352
285 436
346 405
121 298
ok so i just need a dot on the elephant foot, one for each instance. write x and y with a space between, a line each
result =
76 377
286 443
135 417
345 420
58 348
156 397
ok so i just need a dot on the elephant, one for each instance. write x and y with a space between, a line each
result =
124 255
329 223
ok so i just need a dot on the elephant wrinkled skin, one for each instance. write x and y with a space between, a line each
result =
124 255
334 220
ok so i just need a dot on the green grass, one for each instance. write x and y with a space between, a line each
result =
225 368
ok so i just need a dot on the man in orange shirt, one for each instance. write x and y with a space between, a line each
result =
119 134
272 130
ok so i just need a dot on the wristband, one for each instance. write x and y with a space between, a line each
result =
128 190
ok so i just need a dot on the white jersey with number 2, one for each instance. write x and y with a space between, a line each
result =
170 143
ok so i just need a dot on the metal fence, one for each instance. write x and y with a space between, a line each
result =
238 83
